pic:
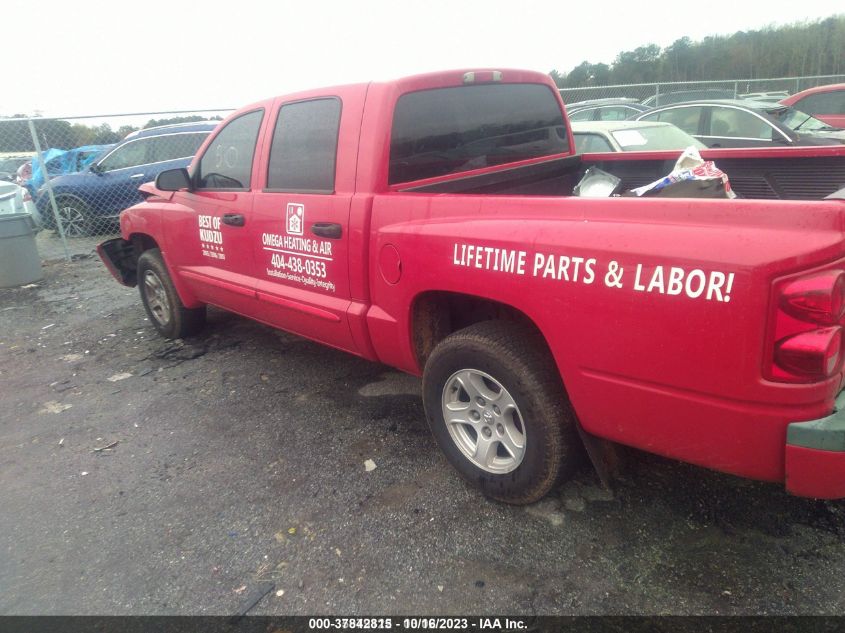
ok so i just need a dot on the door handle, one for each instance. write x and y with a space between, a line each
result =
134 176
233 219
332 230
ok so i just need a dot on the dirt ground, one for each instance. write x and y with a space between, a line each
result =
232 478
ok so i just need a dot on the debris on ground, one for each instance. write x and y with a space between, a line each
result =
62 442
280 593
54 407
99 449
121 376
254 597
240 589
369 465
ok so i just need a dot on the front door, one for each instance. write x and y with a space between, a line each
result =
212 247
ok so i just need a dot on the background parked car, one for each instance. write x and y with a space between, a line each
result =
16 199
604 109
826 103
9 165
735 123
629 136
94 197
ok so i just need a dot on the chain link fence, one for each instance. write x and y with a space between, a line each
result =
75 175
656 94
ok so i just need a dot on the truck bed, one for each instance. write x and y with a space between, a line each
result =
810 173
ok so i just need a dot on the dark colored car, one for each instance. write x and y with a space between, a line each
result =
89 199
604 109
826 103
736 123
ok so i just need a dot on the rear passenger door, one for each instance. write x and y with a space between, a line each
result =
300 219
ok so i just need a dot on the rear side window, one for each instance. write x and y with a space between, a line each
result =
588 143
583 115
615 113
302 157
227 162
733 123
172 146
130 154
451 130
686 118
822 103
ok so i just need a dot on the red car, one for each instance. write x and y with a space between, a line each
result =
429 223
826 103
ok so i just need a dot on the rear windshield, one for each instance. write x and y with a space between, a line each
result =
451 130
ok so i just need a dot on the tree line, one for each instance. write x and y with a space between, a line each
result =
15 135
793 50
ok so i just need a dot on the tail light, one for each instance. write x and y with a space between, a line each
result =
814 354
819 298
808 327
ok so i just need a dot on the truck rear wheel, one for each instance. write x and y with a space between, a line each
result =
161 301
496 406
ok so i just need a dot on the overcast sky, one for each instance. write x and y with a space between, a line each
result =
88 57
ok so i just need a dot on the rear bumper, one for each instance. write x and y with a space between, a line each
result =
815 455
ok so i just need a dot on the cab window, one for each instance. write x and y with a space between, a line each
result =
227 162
304 149
446 131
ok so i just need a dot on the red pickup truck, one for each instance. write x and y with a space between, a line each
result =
428 223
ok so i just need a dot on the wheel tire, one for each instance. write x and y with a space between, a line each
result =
161 301
75 217
517 360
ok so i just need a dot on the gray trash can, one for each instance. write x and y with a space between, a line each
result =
19 260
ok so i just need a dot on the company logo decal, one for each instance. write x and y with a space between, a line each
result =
295 218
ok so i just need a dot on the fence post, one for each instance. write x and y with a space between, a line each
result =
47 182
736 89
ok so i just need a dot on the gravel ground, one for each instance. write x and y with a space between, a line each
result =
233 470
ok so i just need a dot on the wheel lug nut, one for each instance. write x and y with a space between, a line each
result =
500 429
475 415
480 401
486 431
496 410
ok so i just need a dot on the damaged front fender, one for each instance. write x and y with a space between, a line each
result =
120 258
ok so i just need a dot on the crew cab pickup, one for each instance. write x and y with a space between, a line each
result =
429 224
